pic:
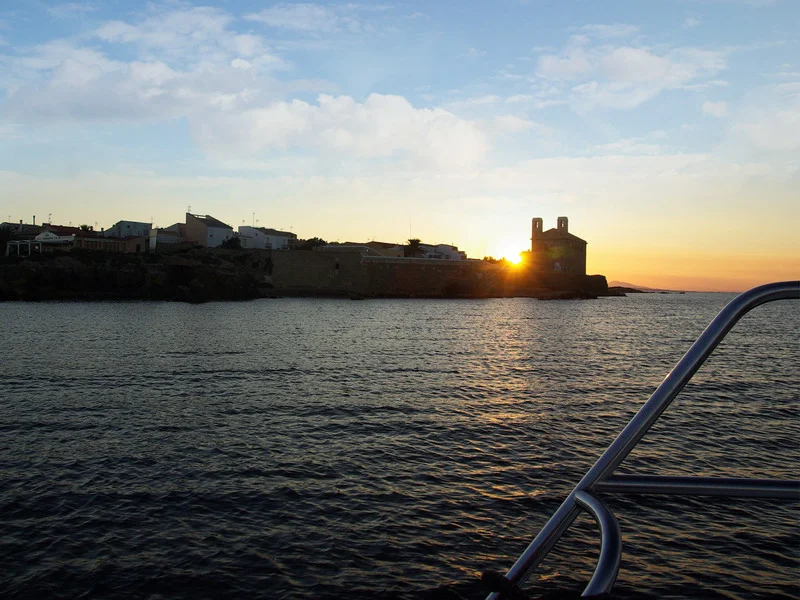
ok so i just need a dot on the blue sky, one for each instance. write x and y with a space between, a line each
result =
667 130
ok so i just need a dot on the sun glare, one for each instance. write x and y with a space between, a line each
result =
514 259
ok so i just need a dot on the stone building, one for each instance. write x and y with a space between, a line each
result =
557 249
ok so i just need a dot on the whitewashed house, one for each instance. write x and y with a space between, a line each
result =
442 252
206 230
265 238
124 229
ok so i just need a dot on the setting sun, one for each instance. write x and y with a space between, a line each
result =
509 250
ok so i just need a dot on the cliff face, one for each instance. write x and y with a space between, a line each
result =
194 276
203 275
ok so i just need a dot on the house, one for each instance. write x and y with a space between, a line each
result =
124 229
206 230
61 230
557 249
441 252
265 238
447 252
381 248
46 241
126 245
22 231
169 236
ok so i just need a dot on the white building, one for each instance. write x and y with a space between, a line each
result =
206 230
123 229
442 252
265 238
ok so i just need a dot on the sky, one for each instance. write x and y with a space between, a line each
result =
668 131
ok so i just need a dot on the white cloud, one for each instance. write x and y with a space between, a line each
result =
70 9
624 77
772 130
691 22
298 17
471 103
567 66
319 18
10 132
715 109
58 81
475 53
634 65
51 55
629 146
191 65
196 35
382 126
239 63
512 124
616 30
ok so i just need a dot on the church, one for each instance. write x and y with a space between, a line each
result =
557 249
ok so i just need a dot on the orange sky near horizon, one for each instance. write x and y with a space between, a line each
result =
709 273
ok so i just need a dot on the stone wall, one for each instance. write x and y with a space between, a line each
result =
310 272
349 273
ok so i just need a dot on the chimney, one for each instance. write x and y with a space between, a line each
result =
20 224
34 220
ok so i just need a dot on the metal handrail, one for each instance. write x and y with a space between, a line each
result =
701 486
605 573
599 476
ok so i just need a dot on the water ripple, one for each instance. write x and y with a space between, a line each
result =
383 449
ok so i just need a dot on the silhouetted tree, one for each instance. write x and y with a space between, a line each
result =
310 243
86 228
412 249
6 235
232 243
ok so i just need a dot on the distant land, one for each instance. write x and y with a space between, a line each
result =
641 288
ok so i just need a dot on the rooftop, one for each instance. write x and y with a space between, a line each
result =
209 221
278 232
555 234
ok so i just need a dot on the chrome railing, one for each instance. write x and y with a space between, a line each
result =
601 478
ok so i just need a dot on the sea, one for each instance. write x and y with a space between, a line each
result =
331 448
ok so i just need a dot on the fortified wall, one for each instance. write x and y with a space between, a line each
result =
352 274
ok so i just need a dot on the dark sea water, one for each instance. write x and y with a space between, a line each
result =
303 448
